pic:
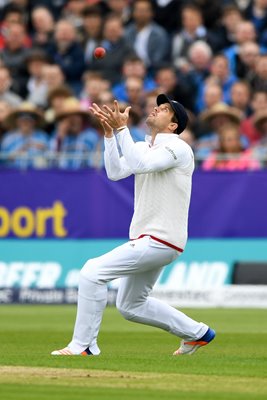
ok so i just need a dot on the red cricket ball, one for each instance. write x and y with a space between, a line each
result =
99 52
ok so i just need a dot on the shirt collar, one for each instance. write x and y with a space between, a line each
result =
161 137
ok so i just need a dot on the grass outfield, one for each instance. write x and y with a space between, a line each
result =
136 361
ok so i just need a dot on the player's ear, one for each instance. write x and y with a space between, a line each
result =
173 126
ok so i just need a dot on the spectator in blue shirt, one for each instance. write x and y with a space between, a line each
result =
133 66
74 139
256 12
219 74
245 32
25 144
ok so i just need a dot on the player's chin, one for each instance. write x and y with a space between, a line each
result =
149 119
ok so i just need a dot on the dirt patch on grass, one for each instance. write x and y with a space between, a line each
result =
41 372
121 379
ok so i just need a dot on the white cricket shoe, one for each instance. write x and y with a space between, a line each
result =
67 352
189 347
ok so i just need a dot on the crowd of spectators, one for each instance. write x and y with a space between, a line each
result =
211 55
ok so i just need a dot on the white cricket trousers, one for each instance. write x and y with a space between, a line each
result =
139 263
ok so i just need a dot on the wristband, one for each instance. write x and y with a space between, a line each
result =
121 128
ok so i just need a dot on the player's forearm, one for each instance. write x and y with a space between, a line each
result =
115 168
141 161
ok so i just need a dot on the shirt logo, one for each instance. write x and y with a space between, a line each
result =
171 151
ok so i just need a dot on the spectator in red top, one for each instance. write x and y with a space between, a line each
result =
214 119
230 154
13 15
260 149
258 103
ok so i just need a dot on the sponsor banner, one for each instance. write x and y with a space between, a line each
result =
85 204
47 263
64 204
244 296
46 296
51 264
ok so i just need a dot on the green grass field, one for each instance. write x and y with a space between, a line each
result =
136 361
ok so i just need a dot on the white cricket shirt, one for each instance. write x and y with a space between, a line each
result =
163 179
